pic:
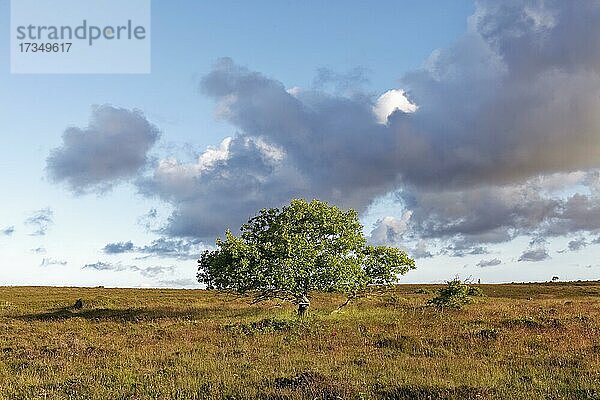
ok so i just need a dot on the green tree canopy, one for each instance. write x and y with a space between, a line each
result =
285 253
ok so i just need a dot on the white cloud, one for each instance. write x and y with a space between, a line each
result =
389 230
391 101
294 91
212 155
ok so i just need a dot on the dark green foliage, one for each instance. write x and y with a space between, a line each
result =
488 334
415 392
303 379
285 253
313 385
403 343
455 294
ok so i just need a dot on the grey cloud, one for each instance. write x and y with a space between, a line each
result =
113 147
117 248
507 106
46 262
538 241
224 189
310 144
150 221
103 266
182 249
40 221
502 112
178 282
461 249
544 31
333 142
577 244
487 214
176 248
592 181
578 213
489 263
389 230
478 216
540 254
420 251
512 99
484 127
8 231
150 272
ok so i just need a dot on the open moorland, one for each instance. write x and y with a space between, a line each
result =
518 341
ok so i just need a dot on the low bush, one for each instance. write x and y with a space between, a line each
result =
455 294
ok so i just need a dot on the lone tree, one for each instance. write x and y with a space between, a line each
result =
285 253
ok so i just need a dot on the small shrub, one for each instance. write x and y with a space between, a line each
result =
418 392
302 380
313 385
488 334
455 294
403 343
524 322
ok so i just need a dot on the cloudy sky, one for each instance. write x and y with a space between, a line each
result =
465 133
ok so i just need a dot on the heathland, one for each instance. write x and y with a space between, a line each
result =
518 341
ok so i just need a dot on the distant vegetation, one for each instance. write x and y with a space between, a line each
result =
518 342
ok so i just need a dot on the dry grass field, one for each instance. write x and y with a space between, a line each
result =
521 341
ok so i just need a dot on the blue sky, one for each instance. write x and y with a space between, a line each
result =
335 59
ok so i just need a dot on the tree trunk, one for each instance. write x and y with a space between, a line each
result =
303 304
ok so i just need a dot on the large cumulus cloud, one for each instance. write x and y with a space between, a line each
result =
289 144
494 137
225 186
542 207
515 97
511 102
113 147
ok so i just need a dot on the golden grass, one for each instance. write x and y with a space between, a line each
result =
525 341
